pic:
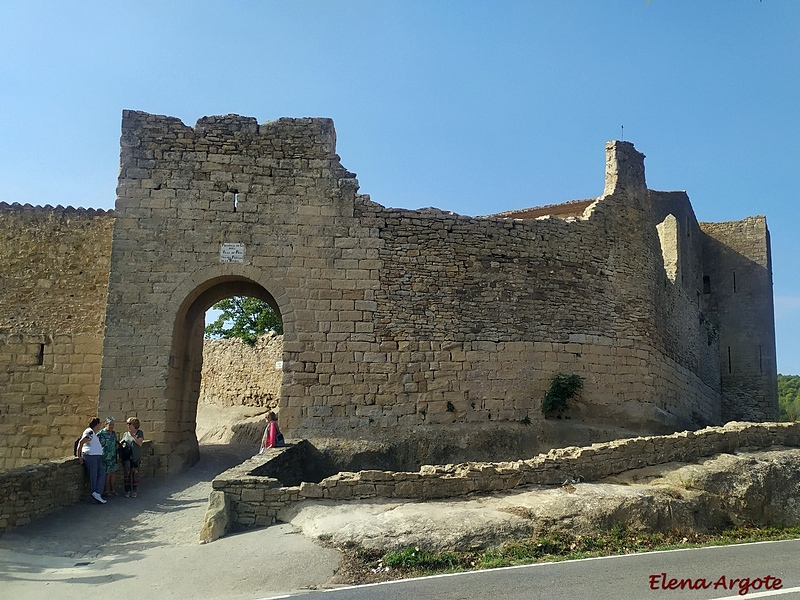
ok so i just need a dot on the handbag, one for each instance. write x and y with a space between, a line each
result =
125 450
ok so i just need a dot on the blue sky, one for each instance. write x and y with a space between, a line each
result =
474 107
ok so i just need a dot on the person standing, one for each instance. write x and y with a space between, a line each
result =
133 438
109 441
90 455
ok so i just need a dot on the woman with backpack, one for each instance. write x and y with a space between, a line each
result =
272 434
90 455
131 456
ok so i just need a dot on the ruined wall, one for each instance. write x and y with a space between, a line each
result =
238 374
738 299
256 500
54 265
476 315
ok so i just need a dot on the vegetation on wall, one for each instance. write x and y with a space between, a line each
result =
244 317
563 387
789 397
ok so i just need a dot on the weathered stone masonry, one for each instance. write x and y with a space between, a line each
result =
54 265
254 499
396 319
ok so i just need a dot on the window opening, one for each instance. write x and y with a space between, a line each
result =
730 369
706 284
40 357
235 201
760 364
734 281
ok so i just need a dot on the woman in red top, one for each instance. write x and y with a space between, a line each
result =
272 434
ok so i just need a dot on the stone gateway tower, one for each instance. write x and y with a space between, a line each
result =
397 323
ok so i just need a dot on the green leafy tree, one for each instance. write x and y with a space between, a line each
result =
789 397
244 317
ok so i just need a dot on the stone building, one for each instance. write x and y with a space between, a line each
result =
395 321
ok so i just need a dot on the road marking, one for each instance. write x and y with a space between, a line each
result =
762 594
544 564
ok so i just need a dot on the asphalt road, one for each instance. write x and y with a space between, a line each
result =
636 576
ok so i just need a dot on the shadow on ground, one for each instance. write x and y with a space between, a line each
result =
168 511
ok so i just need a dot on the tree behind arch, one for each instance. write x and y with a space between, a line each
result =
244 317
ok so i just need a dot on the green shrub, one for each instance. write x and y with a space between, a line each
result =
563 387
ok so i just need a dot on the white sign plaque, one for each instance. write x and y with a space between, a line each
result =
231 253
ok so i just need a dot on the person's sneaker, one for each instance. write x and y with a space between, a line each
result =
133 495
127 494
98 498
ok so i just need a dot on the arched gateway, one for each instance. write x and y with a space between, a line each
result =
398 322
199 293
226 208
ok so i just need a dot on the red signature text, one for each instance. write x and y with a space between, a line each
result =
661 581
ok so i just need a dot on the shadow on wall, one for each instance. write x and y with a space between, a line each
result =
248 433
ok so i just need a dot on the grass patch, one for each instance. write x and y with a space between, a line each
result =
365 566
424 560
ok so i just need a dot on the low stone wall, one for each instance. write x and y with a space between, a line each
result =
33 491
253 499
27 493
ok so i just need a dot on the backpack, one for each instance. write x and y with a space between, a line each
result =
125 450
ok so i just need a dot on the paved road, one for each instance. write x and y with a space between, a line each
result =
627 577
147 547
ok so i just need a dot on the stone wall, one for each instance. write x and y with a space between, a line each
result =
738 276
33 491
54 265
255 500
28 493
239 374
392 318
505 304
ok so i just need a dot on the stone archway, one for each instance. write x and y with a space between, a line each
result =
166 402
183 383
